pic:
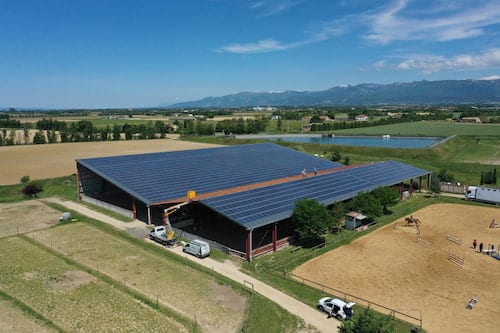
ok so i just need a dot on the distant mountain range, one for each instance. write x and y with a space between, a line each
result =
414 93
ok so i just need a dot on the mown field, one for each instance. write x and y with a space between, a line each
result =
71 298
172 283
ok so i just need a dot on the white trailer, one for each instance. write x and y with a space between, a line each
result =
483 194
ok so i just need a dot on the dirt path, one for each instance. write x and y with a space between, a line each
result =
227 268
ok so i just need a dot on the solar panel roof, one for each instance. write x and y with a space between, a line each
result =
261 206
157 177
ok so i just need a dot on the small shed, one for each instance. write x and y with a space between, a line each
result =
354 220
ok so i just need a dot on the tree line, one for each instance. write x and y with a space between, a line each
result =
227 126
52 131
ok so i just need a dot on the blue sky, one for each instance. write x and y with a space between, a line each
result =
104 53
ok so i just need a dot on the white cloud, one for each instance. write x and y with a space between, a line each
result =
430 64
326 32
267 45
273 7
402 21
379 64
493 77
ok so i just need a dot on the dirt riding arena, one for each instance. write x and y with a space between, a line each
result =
58 160
391 268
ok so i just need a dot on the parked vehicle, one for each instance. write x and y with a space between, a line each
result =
164 234
197 248
484 194
160 235
336 307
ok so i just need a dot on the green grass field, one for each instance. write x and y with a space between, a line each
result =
71 298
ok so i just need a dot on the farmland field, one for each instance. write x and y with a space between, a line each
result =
26 216
389 267
71 298
13 319
424 128
57 160
174 284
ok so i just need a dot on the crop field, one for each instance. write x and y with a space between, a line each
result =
26 216
174 284
389 267
72 299
424 128
58 160
13 319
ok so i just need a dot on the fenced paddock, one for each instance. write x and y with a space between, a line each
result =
389 268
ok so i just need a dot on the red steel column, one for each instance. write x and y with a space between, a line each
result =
401 191
411 186
78 186
428 181
420 184
249 245
134 208
275 236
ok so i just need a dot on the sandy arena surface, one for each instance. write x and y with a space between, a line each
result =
390 268
58 160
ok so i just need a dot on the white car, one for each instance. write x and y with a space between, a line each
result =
336 307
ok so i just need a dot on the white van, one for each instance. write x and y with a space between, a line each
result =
197 248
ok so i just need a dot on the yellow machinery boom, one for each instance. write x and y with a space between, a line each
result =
166 222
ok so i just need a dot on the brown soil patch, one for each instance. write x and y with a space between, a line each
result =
226 295
390 268
61 283
69 281
58 160
235 305
26 216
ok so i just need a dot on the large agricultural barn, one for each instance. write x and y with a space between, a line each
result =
245 194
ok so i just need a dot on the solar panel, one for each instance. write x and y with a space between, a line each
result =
157 177
258 207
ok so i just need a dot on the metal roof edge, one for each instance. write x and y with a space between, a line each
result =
115 183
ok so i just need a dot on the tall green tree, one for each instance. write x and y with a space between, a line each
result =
368 321
367 203
39 138
387 197
311 220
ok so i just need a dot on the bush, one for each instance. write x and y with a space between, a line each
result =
25 179
31 190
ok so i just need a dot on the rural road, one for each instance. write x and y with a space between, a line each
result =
227 268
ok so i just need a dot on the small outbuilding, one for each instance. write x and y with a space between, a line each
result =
354 220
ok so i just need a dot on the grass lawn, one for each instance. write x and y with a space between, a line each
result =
71 298
63 187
